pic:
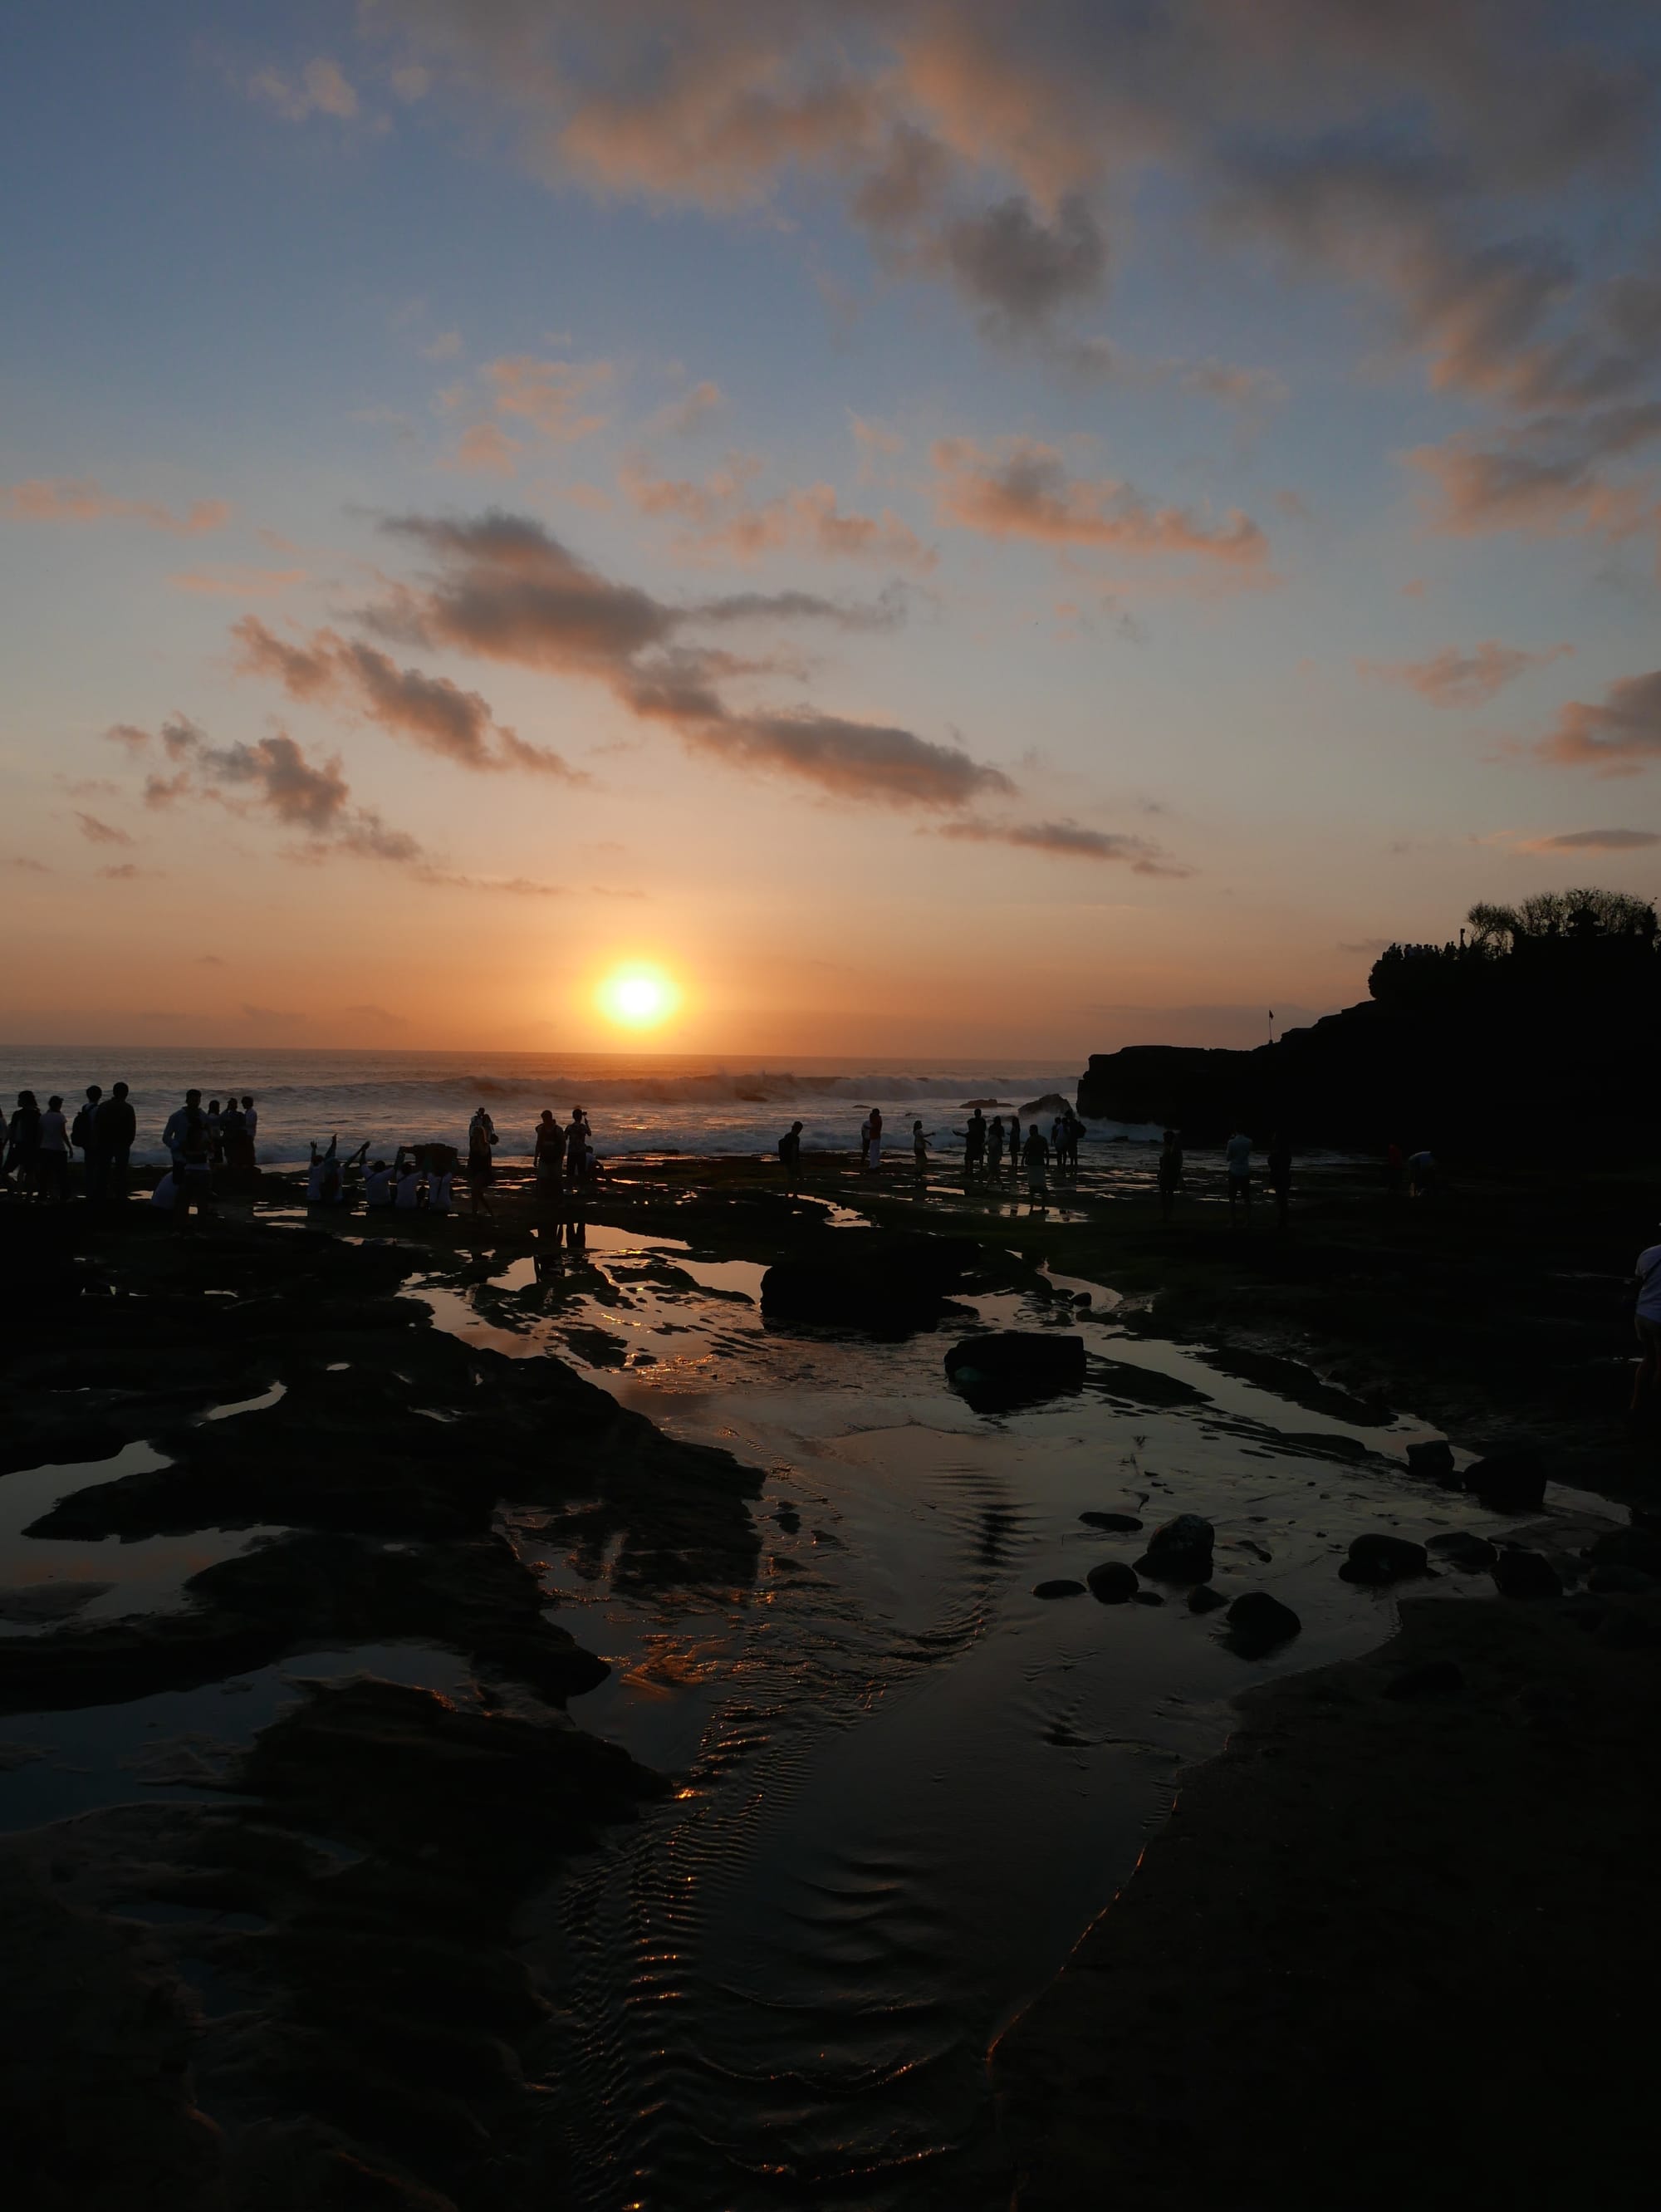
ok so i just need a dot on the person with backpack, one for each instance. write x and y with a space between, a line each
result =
481 1168
790 1154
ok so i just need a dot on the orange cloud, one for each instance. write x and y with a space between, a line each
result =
1452 678
63 499
721 518
549 394
322 88
100 833
1018 488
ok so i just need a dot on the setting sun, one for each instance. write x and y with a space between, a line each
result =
638 998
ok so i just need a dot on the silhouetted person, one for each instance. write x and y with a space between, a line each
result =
790 1155
1395 1170
1420 1175
873 1158
251 1126
480 1167
1015 1146
23 1145
1647 1322
215 1135
115 1128
995 1146
323 1181
81 1137
1237 1159
377 1186
576 1148
1278 1171
920 1154
187 1140
232 1137
865 1143
1036 1154
407 1189
440 1190
1169 1173
974 1144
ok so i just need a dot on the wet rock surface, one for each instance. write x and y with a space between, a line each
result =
1378 1559
888 1282
1258 1622
1113 1583
1180 1550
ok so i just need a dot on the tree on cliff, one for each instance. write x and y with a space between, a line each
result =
1587 943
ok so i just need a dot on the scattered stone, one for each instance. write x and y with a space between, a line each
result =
1204 1599
1147 1597
1508 1482
1081 1298
1436 1678
1179 1551
30 1604
1628 1547
1113 1583
1471 1555
1117 1523
1259 1622
1058 1588
1520 1573
1377 1559
1616 1581
1434 1461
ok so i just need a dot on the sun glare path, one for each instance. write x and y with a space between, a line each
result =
637 998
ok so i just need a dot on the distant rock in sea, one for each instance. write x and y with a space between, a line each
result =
1051 1102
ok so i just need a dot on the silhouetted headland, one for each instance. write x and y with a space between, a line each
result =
1543 1020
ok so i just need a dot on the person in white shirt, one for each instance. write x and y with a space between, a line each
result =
1647 1323
54 1153
322 1183
378 1185
1236 1156
438 1188
407 1194
162 1196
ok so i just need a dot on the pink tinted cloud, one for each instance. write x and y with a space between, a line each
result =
1615 735
1020 487
721 518
1593 841
1452 678
63 499
100 833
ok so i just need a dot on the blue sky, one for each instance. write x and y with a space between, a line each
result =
1194 492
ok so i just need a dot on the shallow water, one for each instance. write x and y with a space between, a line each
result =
904 1784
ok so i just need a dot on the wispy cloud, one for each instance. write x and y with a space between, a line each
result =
1020 487
97 832
1452 678
322 87
719 516
1070 841
80 499
1593 841
1615 735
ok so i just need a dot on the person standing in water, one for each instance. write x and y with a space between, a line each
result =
865 1143
1036 1154
1236 1158
115 1126
790 1155
1170 1174
1014 1145
481 1168
920 1155
54 1154
974 1144
875 1157
1279 1171
994 1147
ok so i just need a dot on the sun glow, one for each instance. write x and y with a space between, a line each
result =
638 997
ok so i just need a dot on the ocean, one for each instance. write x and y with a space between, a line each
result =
637 1103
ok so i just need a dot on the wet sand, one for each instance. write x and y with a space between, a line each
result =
830 1792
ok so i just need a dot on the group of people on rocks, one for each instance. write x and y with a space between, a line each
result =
40 1143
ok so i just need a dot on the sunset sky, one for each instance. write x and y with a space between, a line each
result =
938 526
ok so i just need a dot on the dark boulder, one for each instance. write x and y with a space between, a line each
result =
1059 1588
1508 1482
1377 1559
1257 1622
1125 1524
1204 1599
1437 1678
1179 1551
1114 1583
1520 1573
1433 1460
1147 1597
1472 1555
1017 1355
869 1280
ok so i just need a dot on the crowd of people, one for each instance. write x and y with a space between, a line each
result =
38 1156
